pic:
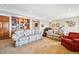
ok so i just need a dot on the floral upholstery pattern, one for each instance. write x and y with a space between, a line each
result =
26 36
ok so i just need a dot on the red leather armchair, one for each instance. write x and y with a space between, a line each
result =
71 42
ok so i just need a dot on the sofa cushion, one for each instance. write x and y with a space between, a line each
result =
27 32
33 31
19 33
15 37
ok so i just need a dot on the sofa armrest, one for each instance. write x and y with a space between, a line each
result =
66 36
76 40
66 39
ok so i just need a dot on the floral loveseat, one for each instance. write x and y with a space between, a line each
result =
26 36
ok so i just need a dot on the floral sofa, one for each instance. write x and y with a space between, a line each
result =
26 36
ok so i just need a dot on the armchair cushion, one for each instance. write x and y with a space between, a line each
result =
76 40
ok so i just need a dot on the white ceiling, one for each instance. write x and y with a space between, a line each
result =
46 11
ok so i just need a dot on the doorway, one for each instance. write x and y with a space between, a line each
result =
4 27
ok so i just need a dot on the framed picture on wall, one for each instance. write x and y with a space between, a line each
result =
35 24
57 24
71 23
53 25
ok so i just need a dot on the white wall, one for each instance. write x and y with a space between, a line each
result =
75 28
66 28
45 23
42 22
54 22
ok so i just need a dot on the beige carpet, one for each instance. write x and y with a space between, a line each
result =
44 46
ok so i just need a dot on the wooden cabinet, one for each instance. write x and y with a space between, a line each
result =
4 27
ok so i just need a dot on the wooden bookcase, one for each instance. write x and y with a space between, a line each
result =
20 23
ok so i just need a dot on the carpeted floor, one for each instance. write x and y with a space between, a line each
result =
44 46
